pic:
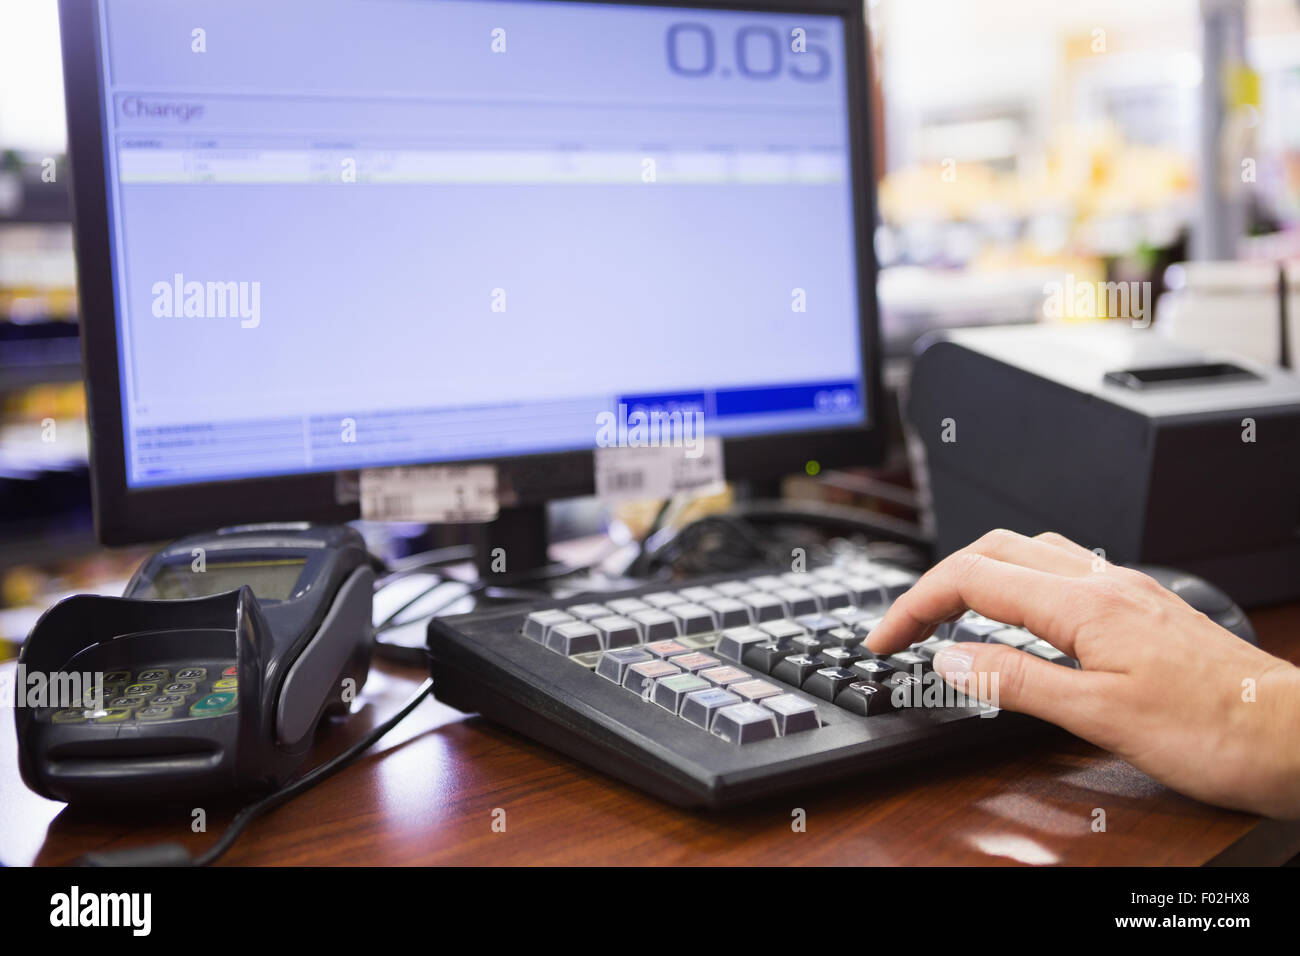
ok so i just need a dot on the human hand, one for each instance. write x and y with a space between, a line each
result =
1161 684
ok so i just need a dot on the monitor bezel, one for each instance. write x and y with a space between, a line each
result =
125 515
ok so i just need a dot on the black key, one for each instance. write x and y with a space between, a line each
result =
904 690
873 669
807 644
865 697
973 627
840 656
828 681
764 657
796 669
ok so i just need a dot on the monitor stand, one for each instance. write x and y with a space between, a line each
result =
513 546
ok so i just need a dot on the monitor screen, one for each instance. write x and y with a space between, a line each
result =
360 233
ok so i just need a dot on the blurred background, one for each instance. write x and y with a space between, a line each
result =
1017 143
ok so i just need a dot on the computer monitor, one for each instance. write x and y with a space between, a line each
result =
320 236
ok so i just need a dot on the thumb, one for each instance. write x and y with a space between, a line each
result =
1002 676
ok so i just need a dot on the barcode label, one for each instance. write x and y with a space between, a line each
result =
658 472
437 494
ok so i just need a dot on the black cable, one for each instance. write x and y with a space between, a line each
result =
391 622
305 782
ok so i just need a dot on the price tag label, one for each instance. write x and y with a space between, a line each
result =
437 494
659 472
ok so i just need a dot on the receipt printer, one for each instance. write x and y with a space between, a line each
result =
1118 439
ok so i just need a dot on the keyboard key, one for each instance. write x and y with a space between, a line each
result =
722 676
807 644
639 678
894 581
698 707
973 627
873 669
767 582
865 697
627 606
782 632
864 627
843 637
613 665
744 723
796 579
934 645
763 606
799 601
826 682
763 657
663 599
656 625
588 612
793 713
671 691
817 624
1047 652
831 595
699 642
185 673
576 637
587 660
840 656
729 612
665 649
796 669
695 662
733 589
849 615
865 592
539 623
130 703
905 690
693 618
699 595
754 689
831 572
733 642
1012 637
617 631
909 661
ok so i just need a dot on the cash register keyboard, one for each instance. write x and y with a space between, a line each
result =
726 689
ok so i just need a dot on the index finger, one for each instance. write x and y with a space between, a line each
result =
968 580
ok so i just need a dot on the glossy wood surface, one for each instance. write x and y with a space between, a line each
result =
432 790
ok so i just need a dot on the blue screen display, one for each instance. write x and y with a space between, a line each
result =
356 233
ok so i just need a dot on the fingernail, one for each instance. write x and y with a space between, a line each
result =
952 659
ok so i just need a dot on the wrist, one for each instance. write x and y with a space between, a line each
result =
1282 685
